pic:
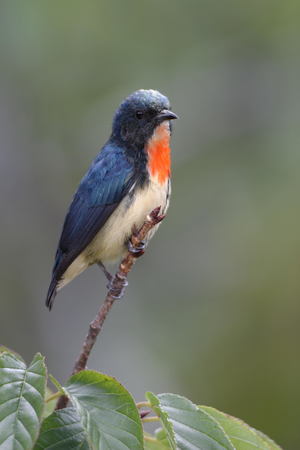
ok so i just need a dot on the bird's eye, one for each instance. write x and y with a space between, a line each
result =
139 114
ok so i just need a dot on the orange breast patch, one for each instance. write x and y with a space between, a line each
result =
159 153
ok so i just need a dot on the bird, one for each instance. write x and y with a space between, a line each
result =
129 177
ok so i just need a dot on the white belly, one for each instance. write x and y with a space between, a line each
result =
109 245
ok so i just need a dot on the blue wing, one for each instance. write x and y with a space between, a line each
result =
108 180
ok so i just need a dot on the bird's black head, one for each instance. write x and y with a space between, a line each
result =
138 116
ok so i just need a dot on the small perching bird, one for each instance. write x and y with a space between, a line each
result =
128 179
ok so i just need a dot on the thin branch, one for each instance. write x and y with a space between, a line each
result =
116 290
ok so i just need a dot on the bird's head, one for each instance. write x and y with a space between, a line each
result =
138 117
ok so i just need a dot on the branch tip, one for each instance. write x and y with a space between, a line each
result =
154 214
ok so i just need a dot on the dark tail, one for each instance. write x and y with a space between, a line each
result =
57 272
51 293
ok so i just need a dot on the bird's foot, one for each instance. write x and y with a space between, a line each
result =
117 285
137 250
105 271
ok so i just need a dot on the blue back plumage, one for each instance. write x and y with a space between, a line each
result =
102 188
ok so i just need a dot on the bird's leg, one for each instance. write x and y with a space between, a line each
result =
116 284
105 271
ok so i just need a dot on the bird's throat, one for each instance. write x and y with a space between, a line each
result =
159 153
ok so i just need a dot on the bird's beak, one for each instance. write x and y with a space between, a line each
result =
166 114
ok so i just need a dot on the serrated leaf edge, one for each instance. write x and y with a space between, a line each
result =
65 411
38 358
85 415
197 409
244 425
219 426
157 409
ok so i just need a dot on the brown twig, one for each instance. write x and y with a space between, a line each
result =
116 290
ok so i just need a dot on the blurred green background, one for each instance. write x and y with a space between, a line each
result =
212 311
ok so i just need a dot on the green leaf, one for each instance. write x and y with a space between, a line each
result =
154 444
161 435
193 428
272 445
62 430
22 392
164 418
4 349
240 434
107 411
56 383
49 406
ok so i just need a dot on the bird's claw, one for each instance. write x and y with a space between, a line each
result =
116 286
137 250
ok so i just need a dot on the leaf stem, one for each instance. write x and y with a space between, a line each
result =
143 405
150 419
53 396
149 438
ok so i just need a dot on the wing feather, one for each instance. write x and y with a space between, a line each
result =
108 180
